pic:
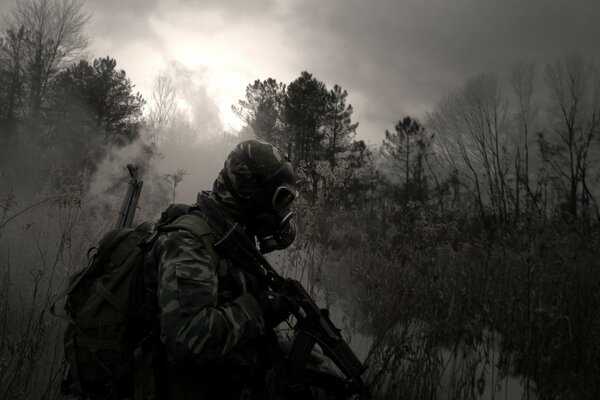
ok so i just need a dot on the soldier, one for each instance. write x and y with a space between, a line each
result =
213 312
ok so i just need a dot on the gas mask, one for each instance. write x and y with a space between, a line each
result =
272 223
258 185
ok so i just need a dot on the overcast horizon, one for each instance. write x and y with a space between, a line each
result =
395 58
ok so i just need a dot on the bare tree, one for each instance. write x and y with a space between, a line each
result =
470 126
574 110
53 36
11 73
164 107
175 179
521 78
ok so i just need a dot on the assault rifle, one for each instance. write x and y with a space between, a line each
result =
131 199
316 327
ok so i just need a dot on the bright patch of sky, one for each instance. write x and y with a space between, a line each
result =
394 57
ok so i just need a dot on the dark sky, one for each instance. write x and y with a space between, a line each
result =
394 58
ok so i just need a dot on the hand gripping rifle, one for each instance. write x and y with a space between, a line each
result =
131 199
316 327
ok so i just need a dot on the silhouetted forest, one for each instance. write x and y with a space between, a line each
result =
459 255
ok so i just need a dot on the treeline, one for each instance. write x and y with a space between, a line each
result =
57 108
506 148
463 246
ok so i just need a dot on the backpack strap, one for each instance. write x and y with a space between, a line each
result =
192 223
198 226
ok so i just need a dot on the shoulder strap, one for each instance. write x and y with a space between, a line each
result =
192 223
197 225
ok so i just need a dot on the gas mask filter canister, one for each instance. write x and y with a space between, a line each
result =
274 227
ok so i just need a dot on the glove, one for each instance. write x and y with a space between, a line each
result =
276 307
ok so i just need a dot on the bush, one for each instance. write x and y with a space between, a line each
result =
457 308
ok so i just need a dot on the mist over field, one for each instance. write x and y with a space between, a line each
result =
448 170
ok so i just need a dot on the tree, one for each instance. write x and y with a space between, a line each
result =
470 126
310 122
163 110
175 179
404 151
52 36
12 78
167 123
100 95
521 80
339 129
574 110
365 179
91 106
262 110
305 111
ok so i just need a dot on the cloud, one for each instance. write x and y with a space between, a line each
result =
404 55
123 21
393 57
191 87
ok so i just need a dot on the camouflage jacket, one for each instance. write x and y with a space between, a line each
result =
211 325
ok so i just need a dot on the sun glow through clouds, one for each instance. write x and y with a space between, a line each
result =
213 63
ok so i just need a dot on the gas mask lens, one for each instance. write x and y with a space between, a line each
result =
283 197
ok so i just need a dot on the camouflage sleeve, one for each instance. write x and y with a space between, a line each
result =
193 327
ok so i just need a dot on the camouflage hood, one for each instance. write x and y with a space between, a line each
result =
248 170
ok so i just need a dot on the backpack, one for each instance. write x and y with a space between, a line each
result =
112 335
108 309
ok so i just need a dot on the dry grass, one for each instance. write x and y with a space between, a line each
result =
440 307
455 310
41 243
